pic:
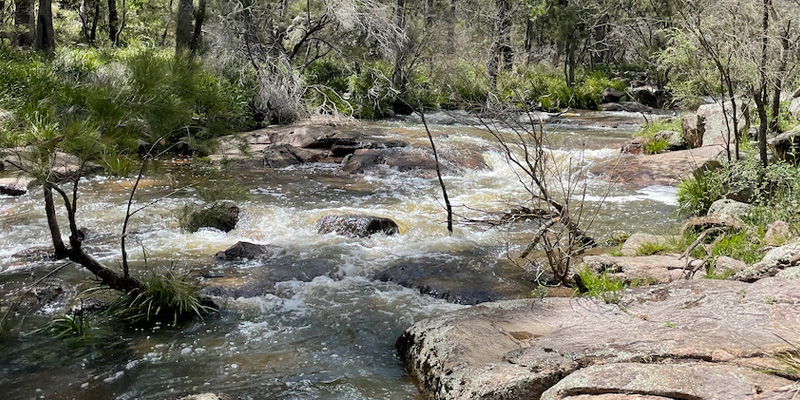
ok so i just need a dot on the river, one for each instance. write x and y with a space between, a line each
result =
326 337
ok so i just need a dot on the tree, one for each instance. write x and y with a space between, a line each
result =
45 36
25 22
184 29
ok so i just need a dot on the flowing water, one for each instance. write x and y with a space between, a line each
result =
325 337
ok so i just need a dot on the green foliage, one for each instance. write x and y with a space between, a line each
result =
546 89
539 292
601 286
118 97
652 248
739 245
655 146
698 192
169 296
649 129
217 215
68 325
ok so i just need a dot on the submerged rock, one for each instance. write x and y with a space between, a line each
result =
664 337
356 226
207 396
446 280
248 251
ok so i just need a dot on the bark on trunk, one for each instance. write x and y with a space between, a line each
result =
45 38
197 38
24 22
113 19
398 80
183 26
451 28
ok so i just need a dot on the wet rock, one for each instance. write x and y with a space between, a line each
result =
674 140
716 128
650 96
636 146
637 240
689 380
777 233
521 349
611 95
14 186
207 396
356 226
728 209
446 280
281 156
657 169
693 127
786 146
774 261
644 269
342 149
728 266
248 251
628 106
221 215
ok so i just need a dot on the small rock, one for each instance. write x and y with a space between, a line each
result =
674 140
635 241
247 250
356 226
281 156
693 127
700 224
786 146
611 95
774 261
794 107
777 233
727 209
14 186
728 266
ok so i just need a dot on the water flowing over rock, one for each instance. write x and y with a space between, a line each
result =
356 226
459 283
248 251
207 396
722 332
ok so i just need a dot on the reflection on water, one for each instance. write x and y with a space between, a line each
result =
330 337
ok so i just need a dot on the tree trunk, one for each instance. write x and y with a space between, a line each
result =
95 19
24 22
45 38
761 96
451 28
776 91
500 53
113 19
197 38
570 64
183 26
428 15
528 40
398 80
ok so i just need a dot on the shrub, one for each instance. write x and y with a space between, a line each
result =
169 296
601 286
698 192
648 249
655 146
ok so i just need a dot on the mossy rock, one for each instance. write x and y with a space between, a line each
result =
220 215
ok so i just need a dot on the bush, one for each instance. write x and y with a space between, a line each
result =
649 249
168 296
698 192
601 286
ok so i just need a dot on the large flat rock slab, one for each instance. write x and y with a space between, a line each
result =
639 171
519 349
